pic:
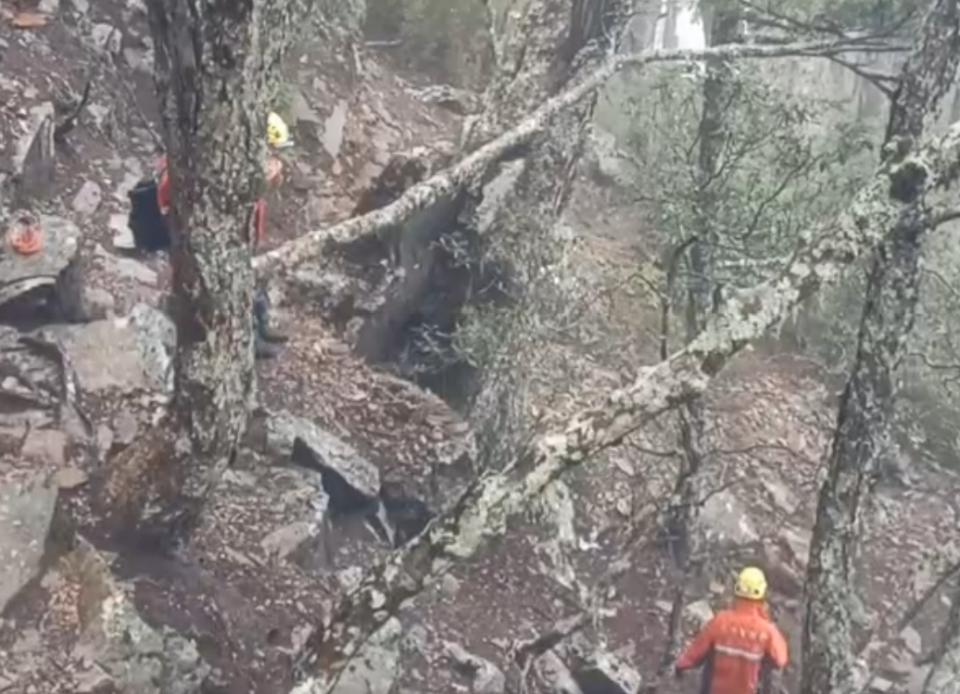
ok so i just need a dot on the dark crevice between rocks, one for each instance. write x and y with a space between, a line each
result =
407 515
394 516
592 680
443 271
345 499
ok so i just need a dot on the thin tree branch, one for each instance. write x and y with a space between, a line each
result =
945 215
916 608
473 166
884 82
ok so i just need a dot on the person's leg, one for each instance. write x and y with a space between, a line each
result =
261 316
264 338
263 349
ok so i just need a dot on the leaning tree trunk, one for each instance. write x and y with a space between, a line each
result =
215 64
540 52
866 408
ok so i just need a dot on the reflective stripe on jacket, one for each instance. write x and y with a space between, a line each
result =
736 643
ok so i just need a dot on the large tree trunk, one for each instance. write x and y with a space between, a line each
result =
215 64
866 407
214 106
721 29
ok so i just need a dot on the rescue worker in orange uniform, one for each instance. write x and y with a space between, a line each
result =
737 643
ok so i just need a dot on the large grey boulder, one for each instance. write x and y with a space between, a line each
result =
26 514
594 668
556 675
375 668
607 161
348 477
120 647
725 520
486 677
20 274
34 155
130 353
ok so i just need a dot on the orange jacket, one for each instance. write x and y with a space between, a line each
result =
164 200
735 645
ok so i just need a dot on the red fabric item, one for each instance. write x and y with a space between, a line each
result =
737 641
164 200
260 220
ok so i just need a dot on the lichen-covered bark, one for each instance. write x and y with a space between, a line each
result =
864 421
472 168
862 436
215 61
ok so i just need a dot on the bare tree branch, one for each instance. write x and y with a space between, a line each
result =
471 168
882 81
915 609
766 16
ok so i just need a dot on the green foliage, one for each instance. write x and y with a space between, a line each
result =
384 18
850 15
446 39
786 162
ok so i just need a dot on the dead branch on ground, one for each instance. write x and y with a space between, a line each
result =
472 168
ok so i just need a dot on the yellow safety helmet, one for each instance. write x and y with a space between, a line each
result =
751 584
278 135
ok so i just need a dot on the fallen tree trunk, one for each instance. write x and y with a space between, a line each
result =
483 510
472 168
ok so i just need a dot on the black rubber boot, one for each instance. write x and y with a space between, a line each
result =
263 349
261 319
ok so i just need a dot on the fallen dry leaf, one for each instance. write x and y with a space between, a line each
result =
30 20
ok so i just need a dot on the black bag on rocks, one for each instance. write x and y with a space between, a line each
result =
149 226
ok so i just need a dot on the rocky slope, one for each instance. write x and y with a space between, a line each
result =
345 460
